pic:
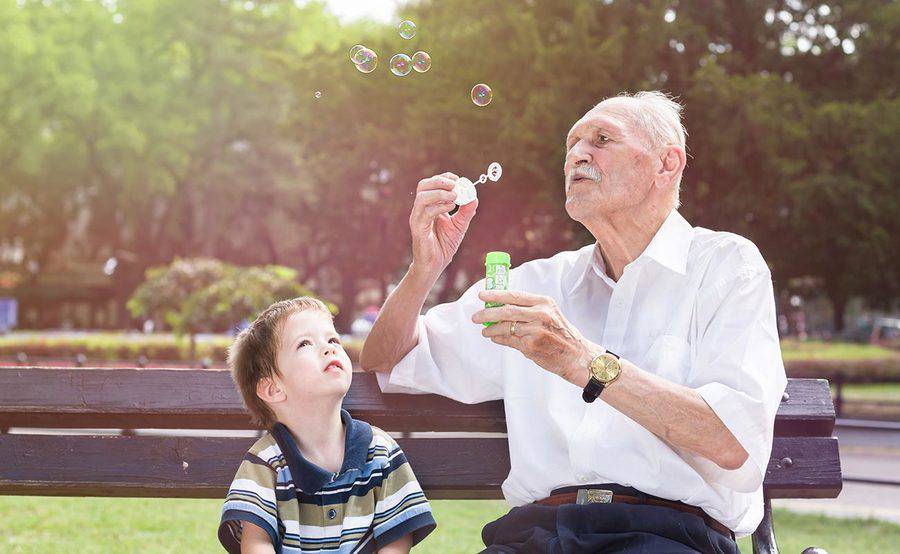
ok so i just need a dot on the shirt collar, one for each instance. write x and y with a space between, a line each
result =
669 247
584 263
309 477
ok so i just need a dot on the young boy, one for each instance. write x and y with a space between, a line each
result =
318 480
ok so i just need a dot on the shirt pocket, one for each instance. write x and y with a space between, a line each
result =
669 357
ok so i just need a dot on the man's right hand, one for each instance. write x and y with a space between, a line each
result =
436 236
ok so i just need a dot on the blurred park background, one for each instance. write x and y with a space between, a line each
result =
169 168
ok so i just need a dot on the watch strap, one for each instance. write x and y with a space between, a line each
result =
592 390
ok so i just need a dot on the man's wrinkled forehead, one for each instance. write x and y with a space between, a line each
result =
601 118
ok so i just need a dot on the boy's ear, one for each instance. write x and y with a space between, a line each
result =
269 390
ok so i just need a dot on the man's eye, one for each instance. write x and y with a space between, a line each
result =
602 139
304 343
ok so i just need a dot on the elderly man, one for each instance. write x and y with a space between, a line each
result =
640 374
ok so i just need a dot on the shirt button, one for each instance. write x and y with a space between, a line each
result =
332 514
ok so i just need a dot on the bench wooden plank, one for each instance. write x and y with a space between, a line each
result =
152 466
202 467
804 467
806 409
207 399
201 399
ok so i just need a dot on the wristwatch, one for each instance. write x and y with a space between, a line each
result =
604 369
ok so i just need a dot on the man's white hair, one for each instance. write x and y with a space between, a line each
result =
654 114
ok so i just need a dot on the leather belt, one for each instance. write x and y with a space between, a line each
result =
604 496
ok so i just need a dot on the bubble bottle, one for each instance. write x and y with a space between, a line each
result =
496 276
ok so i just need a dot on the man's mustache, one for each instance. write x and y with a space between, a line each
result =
584 172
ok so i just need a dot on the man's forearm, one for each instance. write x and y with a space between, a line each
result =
676 414
395 332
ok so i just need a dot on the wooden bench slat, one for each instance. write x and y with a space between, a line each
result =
806 409
153 466
207 399
804 467
202 399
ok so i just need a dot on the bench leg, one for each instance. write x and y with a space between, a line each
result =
764 536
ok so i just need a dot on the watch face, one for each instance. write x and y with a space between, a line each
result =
605 368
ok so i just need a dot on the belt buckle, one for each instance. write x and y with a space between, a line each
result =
594 496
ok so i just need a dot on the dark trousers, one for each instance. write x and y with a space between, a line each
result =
615 527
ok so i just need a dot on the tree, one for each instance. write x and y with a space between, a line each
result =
205 295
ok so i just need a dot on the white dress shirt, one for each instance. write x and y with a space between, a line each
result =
696 307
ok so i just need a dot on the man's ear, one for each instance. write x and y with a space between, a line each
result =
673 159
270 390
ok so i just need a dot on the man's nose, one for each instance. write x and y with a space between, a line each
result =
578 154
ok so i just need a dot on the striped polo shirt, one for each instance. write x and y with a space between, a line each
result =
373 501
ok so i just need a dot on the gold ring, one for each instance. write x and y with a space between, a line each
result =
512 329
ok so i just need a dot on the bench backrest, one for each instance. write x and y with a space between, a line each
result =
804 463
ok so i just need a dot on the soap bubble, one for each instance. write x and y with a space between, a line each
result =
482 94
401 65
363 55
421 62
355 50
407 29
369 65
318 94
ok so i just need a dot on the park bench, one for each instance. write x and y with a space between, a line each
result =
65 462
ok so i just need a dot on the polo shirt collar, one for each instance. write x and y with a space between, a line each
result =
309 477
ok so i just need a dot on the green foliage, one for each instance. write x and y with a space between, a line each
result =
195 295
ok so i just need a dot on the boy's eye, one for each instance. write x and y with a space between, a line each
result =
336 341
303 343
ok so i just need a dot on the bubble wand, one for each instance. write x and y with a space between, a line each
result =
465 189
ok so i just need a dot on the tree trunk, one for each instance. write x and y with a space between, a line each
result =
193 349
839 303
347 306
838 297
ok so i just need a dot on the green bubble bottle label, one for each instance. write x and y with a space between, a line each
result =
496 276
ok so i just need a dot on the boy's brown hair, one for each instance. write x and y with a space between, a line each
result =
252 355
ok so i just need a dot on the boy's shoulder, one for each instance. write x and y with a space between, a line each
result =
382 444
267 450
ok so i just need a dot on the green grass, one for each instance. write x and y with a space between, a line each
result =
820 350
114 525
871 392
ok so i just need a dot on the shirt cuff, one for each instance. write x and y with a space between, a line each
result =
742 416
402 378
230 533
420 526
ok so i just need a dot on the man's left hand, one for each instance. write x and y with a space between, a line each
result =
541 333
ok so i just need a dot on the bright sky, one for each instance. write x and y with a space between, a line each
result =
348 10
